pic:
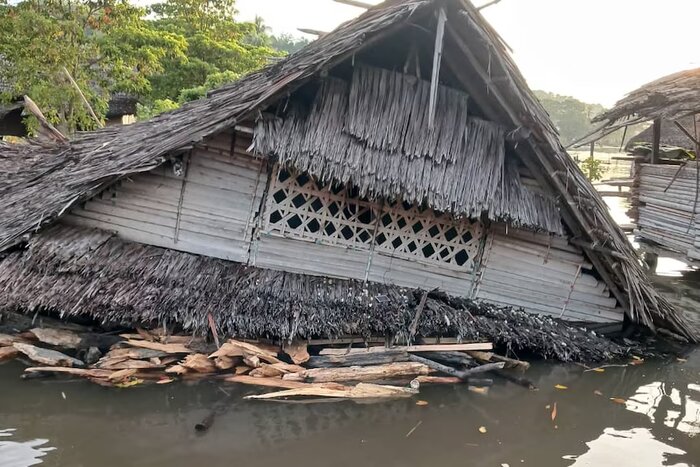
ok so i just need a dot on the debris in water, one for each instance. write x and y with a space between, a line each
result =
561 386
420 422
482 429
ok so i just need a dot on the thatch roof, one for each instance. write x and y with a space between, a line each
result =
474 56
92 273
672 97
671 135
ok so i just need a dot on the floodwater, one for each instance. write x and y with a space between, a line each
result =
633 415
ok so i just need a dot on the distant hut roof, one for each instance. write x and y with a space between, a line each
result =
121 103
58 176
671 135
672 97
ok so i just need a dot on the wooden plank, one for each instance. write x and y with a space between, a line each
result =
412 348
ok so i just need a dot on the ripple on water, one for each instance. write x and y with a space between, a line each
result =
21 453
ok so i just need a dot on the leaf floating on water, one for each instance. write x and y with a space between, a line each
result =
165 381
482 429
598 370
681 360
638 361
561 386
554 412
128 384
597 393
547 406
421 403
618 400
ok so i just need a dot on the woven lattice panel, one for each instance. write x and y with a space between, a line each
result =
410 231
301 207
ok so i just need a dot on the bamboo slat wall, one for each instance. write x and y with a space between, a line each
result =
665 201
208 209
543 274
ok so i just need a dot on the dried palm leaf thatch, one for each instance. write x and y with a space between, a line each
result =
458 167
88 272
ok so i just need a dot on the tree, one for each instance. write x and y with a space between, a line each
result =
216 43
104 44
287 43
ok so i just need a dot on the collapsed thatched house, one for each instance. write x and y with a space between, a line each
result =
402 151
665 174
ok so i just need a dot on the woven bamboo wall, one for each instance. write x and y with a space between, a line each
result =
208 208
543 274
665 200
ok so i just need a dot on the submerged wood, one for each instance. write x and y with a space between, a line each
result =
8 353
358 373
464 375
46 356
491 357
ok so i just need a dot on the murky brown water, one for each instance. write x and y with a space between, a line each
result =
653 421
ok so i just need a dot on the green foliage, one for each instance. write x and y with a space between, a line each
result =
287 43
146 112
592 168
571 116
105 45
213 81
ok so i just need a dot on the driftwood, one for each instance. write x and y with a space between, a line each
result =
47 357
297 351
492 357
359 373
84 372
135 353
234 348
277 382
358 358
199 363
8 340
361 391
276 369
8 353
127 364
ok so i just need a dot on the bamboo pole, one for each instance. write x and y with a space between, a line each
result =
83 98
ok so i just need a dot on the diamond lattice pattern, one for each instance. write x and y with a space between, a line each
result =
301 207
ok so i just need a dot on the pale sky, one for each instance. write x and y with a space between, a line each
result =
594 50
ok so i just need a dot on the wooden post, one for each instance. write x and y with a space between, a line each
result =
437 60
82 97
656 141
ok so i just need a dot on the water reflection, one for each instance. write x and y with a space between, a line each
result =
21 454
674 407
636 447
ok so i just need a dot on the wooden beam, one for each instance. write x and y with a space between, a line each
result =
437 60
656 141
313 32
356 3
486 5
686 133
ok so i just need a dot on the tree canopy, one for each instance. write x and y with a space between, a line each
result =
167 54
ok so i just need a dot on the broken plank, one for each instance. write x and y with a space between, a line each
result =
167 348
47 357
491 357
274 382
361 391
297 351
57 337
8 353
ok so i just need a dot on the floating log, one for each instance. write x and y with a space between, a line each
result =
47 357
358 373
358 359
413 348
361 391
463 375
276 382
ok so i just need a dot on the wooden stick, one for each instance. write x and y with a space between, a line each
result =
437 60
413 348
416 318
83 98
463 375
48 129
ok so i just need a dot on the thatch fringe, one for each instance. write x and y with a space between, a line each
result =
459 167
82 272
